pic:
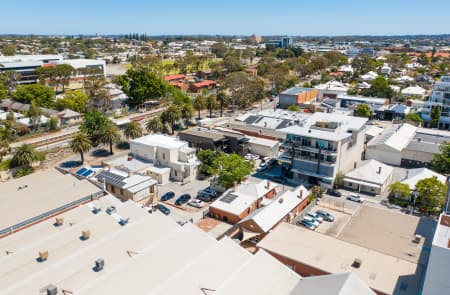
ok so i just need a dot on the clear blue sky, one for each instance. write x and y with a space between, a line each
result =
290 17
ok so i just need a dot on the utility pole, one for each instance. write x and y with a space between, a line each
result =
447 209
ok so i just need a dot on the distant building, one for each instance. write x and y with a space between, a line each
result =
331 89
441 98
297 96
287 42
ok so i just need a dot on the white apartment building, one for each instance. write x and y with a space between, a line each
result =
166 151
440 97
323 145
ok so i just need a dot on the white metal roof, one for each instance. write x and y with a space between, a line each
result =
368 172
414 175
159 140
397 137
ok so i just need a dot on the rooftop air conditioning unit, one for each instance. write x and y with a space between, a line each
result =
357 263
99 264
51 290
124 221
85 234
43 255
59 221
417 239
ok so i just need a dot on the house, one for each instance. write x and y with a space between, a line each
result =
323 145
373 131
413 92
283 207
393 112
264 147
415 175
331 89
386 70
69 117
297 96
167 152
388 146
175 78
369 76
349 101
364 85
240 201
205 84
128 186
371 177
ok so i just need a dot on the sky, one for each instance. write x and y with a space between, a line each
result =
226 17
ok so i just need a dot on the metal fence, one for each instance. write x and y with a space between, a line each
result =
44 215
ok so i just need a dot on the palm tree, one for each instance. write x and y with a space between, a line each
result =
211 104
132 130
222 98
26 155
80 144
186 113
172 115
155 125
109 135
199 104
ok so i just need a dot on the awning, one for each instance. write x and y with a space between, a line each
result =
361 182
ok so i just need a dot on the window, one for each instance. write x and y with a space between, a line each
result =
164 156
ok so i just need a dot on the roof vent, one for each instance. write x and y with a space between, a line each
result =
85 234
357 263
51 290
59 221
419 139
417 239
123 221
309 131
43 255
281 201
99 264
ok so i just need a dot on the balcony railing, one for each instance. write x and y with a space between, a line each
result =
299 147
287 158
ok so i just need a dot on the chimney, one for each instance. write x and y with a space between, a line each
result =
281 201
59 221
130 157
235 186
300 195
130 173
379 170
85 234
43 255
267 184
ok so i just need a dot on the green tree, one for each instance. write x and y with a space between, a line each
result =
211 103
379 88
431 193
339 180
52 124
363 110
92 123
3 91
40 94
155 125
172 115
414 117
199 104
132 130
230 168
363 63
435 115
109 135
223 99
9 50
34 113
441 161
186 113
207 158
294 108
25 155
80 144
75 100
400 191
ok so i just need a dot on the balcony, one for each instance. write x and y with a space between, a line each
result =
287 158
300 147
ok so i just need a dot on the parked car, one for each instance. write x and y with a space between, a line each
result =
167 196
312 220
255 157
211 191
196 203
262 167
207 195
248 157
163 209
265 159
182 199
272 162
355 198
315 216
279 179
307 224
325 215
334 193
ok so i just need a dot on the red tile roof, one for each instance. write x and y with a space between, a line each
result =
174 77
204 83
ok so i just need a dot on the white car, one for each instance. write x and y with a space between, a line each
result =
315 216
262 167
255 157
355 198
311 220
196 203
248 157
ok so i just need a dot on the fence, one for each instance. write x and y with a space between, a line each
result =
11 229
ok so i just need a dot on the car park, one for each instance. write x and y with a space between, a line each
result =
325 215
312 220
355 198
211 191
334 193
207 195
167 196
315 216
196 203
307 224
163 209
182 199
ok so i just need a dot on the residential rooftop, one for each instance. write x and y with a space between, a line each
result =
159 140
296 90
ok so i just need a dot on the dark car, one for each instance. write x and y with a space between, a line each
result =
163 209
207 195
334 193
167 196
279 179
182 199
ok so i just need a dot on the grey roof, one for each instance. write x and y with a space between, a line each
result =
426 143
296 90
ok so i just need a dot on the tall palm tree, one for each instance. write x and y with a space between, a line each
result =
155 125
26 155
199 104
132 130
172 115
109 135
80 144
211 104
186 113
222 98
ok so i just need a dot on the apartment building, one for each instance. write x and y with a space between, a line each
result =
167 152
323 145
440 97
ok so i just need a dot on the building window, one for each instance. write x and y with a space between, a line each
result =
164 156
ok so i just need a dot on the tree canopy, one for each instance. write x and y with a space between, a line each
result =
379 88
93 123
441 161
431 194
363 110
40 94
75 100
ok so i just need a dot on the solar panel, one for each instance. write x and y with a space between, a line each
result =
111 178
228 198
81 171
87 173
